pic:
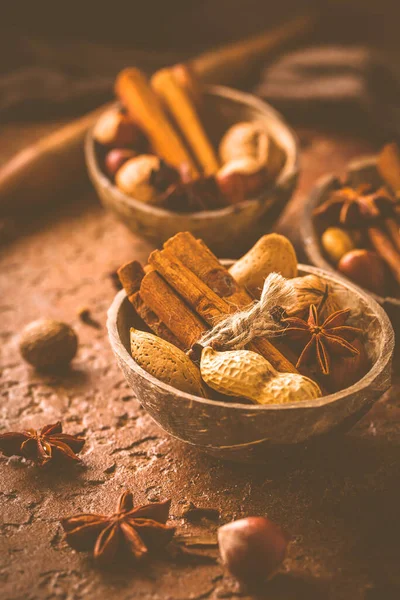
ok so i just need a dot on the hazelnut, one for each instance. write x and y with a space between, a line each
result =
251 139
48 344
115 158
253 548
336 242
116 129
241 178
134 178
365 268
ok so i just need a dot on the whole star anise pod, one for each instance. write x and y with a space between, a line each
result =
135 531
192 196
48 444
163 177
351 206
322 340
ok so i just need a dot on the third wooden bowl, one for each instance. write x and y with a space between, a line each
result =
228 231
362 170
244 432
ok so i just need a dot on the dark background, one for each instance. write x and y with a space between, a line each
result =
55 44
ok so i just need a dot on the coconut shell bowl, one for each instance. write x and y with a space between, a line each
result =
360 172
250 432
231 228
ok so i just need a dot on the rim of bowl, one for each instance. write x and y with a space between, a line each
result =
309 234
383 359
290 169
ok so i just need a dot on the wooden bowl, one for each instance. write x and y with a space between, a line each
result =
243 432
227 230
362 170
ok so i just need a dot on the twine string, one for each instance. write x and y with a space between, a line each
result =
257 320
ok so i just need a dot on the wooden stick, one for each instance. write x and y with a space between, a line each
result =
207 304
234 61
144 107
131 275
183 111
171 310
386 250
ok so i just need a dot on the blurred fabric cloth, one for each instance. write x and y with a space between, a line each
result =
336 84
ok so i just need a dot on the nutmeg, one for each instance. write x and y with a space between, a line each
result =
116 129
336 242
251 139
48 344
253 548
115 158
312 289
134 178
366 269
241 178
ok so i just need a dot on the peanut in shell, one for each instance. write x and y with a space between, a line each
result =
273 253
248 374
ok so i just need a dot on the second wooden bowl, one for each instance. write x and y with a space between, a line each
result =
362 170
228 230
243 432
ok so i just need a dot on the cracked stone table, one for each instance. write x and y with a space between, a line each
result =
340 501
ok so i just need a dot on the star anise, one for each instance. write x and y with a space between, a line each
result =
133 530
48 444
332 337
351 206
192 196
163 177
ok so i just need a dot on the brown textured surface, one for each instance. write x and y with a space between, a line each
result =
339 501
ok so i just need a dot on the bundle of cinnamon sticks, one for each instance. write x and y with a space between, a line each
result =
184 290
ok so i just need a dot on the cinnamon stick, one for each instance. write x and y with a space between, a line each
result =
393 230
389 166
144 106
197 257
207 303
130 276
186 326
187 80
182 109
386 250
153 321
